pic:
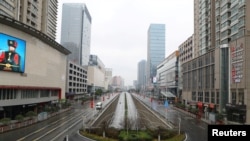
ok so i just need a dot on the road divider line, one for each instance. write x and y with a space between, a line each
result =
36 131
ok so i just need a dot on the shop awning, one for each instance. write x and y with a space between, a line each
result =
168 94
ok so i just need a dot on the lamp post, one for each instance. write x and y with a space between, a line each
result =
83 122
136 122
93 98
224 112
179 125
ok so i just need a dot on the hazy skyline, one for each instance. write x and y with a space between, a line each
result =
119 30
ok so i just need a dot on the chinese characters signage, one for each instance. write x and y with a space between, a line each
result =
237 55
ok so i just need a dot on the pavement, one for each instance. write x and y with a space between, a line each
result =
193 115
225 122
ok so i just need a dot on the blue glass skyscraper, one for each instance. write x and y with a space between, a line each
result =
155 49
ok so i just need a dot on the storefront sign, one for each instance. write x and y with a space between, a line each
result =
237 56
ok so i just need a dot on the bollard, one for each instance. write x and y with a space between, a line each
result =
66 138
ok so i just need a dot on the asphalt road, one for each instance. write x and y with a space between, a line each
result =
196 130
67 124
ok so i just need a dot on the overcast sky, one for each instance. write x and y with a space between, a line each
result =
119 30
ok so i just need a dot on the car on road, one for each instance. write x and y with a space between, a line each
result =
98 106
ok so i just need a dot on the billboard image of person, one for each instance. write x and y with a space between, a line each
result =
12 53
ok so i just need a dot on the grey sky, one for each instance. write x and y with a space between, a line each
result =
119 30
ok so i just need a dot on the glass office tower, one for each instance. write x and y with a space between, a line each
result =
76 32
155 50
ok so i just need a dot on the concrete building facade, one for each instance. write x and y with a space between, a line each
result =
96 73
76 81
118 83
108 78
216 80
167 76
186 53
40 81
39 14
232 45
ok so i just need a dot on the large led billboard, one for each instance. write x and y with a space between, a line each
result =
12 53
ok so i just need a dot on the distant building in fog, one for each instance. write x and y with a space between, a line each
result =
141 75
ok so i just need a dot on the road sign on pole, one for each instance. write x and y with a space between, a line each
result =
166 104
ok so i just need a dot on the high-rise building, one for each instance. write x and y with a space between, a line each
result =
117 83
186 53
108 78
167 74
75 36
186 50
76 32
216 79
141 75
155 50
204 26
41 15
232 47
199 72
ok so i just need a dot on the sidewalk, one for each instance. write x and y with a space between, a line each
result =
192 115
14 124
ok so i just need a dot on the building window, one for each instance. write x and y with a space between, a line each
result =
217 97
8 94
207 97
233 97
212 76
200 77
200 96
241 97
212 97
54 93
44 93
193 96
25 94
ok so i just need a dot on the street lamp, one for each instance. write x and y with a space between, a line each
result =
179 118
83 122
136 122
93 101
179 125
224 112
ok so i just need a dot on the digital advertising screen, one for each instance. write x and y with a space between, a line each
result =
12 53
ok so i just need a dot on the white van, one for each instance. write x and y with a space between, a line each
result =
98 106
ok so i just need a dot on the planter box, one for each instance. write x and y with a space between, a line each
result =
220 122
